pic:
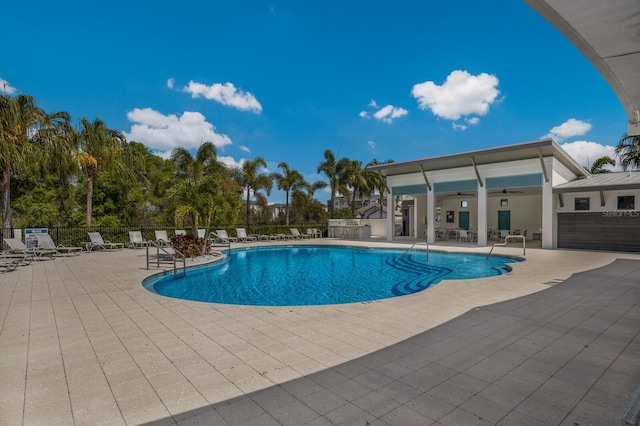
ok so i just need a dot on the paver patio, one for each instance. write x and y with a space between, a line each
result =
83 343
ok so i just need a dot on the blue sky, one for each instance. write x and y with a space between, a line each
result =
286 80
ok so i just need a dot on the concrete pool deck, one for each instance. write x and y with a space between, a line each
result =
83 343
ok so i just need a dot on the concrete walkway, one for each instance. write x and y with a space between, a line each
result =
83 343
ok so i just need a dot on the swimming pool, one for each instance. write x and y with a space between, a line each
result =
321 275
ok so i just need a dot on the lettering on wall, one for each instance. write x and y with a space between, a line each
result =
621 213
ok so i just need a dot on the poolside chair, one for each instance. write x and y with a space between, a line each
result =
17 258
180 232
161 238
298 235
10 262
46 242
223 237
136 240
16 246
314 233
98 243
242 235
202 233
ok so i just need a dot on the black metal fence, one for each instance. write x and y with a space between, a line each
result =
78 236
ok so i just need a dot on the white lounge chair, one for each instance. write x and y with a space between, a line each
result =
16 246
285 236
161 238
242 235
46 242
296 233
180 232
136 240
202 233
9 262
223 237
97 242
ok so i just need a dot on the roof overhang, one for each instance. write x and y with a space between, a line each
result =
608 34
503 154
617 181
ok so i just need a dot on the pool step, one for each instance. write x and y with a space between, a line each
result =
424 275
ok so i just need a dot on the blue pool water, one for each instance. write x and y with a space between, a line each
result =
321 275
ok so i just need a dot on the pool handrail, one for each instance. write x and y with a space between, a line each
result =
163 248
506 240
413 248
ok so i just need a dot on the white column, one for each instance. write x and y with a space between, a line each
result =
548 231
482 216
431 221
391 215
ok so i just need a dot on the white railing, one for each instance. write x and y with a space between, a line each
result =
413 247
506 241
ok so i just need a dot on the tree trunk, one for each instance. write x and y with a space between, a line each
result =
353 204
6 201
286 207
331 201
89 200
248 199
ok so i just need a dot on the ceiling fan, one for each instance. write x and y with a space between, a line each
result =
461 194
505 191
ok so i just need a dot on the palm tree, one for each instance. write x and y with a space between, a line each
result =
289 181
356 178
197 188
628 151
252 181
196 200
335 172
22 122
598 166
376 181
101 148
312 188
205 162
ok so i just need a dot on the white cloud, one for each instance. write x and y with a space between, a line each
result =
461 94
226 94
372 145
6 87
171 82
164 154
467 122
231 162
164 132
244 148
585 152
390 113
386 114
569 128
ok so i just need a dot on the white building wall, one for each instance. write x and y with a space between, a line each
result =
610 199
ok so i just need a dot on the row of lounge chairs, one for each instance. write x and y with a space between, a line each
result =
220 236
19 254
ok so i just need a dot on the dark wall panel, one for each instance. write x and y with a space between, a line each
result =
611 231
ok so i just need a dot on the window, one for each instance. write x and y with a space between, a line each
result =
581 203
626 202
463 204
